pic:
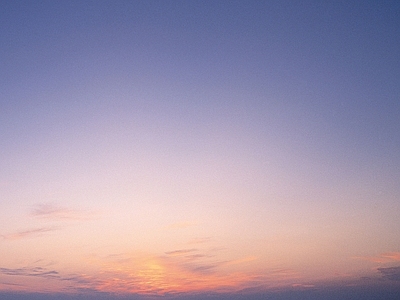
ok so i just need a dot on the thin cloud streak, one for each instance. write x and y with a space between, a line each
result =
35 271
172 275
69 283
35 232
177 273
180 252
392 273
53 212
382 258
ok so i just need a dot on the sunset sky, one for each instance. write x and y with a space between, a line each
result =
199 149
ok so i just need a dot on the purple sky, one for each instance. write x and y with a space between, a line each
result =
183 148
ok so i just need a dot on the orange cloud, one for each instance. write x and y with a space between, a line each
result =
394 256
154 275
151 275
383 258
180 273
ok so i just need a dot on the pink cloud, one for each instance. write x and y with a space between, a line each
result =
54 212
28 233
383 257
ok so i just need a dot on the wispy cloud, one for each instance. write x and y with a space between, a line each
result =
303 286
34 271
54 212
60 282
392 273
394 256
203 269
382 258
145 274
180 252
196 256
34 232
177 271
203 262
192 260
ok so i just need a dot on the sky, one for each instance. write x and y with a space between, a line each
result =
199 149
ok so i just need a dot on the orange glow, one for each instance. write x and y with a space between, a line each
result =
383 258
154 275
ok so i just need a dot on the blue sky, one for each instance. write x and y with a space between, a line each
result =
196 147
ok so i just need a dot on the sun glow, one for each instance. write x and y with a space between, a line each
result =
167 275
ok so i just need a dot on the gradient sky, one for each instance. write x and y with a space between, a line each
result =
194 148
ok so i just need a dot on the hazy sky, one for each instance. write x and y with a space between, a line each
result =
199 147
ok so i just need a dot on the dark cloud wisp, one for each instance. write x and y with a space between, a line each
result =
391 273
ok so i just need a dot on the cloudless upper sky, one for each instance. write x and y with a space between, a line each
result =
199 147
